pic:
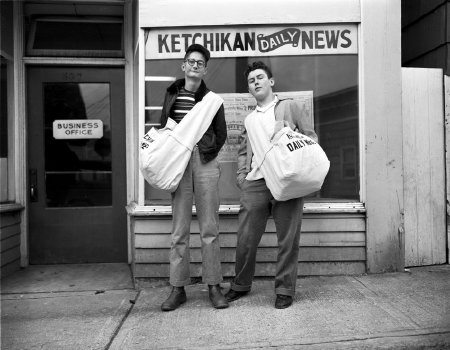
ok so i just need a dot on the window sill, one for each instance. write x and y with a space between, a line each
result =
8 207
309 208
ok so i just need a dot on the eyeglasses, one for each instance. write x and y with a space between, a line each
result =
192 62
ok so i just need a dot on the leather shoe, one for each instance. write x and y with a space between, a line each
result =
283 301
216 297
233 295
175 299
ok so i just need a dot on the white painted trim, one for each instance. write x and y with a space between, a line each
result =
11 170
156 78
447 155
130 144
74 61
20 137
361 111
9 207
141 118
180 13
136 210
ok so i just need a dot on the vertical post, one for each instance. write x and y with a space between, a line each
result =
447 156
129 120
141 104
20 150
380 84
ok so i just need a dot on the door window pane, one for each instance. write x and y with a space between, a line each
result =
333 80
77 170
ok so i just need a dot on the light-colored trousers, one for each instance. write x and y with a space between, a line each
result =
202 182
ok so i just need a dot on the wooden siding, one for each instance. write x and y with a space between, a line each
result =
424 167
436 58
412 10
330 244
9 242
426 34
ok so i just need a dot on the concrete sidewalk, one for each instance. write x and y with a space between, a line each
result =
97 307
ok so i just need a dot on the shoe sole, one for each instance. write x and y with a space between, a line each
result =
171 309
236 298
283 306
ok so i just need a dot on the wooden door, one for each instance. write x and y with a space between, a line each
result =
424 166
76 164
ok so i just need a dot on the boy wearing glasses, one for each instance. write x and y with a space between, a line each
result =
200 180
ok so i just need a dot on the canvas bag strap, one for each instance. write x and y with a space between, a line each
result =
278 134
257 141
195 123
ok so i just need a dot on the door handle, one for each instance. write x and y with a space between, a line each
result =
33 185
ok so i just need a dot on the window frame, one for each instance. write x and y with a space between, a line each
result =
30 51
139 208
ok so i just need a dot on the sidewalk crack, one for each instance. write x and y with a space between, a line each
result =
391 305
122 321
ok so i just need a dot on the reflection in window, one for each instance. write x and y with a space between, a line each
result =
78 171
348 162
333 79
3 130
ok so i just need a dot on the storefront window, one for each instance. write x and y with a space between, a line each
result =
332 79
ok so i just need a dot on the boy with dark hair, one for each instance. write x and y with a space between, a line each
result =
257 203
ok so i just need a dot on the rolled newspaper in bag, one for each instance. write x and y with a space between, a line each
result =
165 153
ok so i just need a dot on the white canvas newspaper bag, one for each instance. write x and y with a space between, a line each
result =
165 153
292 164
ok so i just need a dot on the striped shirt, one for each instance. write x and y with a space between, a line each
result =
183 104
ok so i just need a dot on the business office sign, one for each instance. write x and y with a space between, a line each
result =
78 129
254 41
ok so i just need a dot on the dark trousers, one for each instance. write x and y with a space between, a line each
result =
256 205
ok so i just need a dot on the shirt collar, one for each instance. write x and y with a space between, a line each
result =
267 107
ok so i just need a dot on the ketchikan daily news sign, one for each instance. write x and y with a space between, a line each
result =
290 40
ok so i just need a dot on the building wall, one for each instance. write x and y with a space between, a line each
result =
426 34
426 44
10 242
335 241
330 244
